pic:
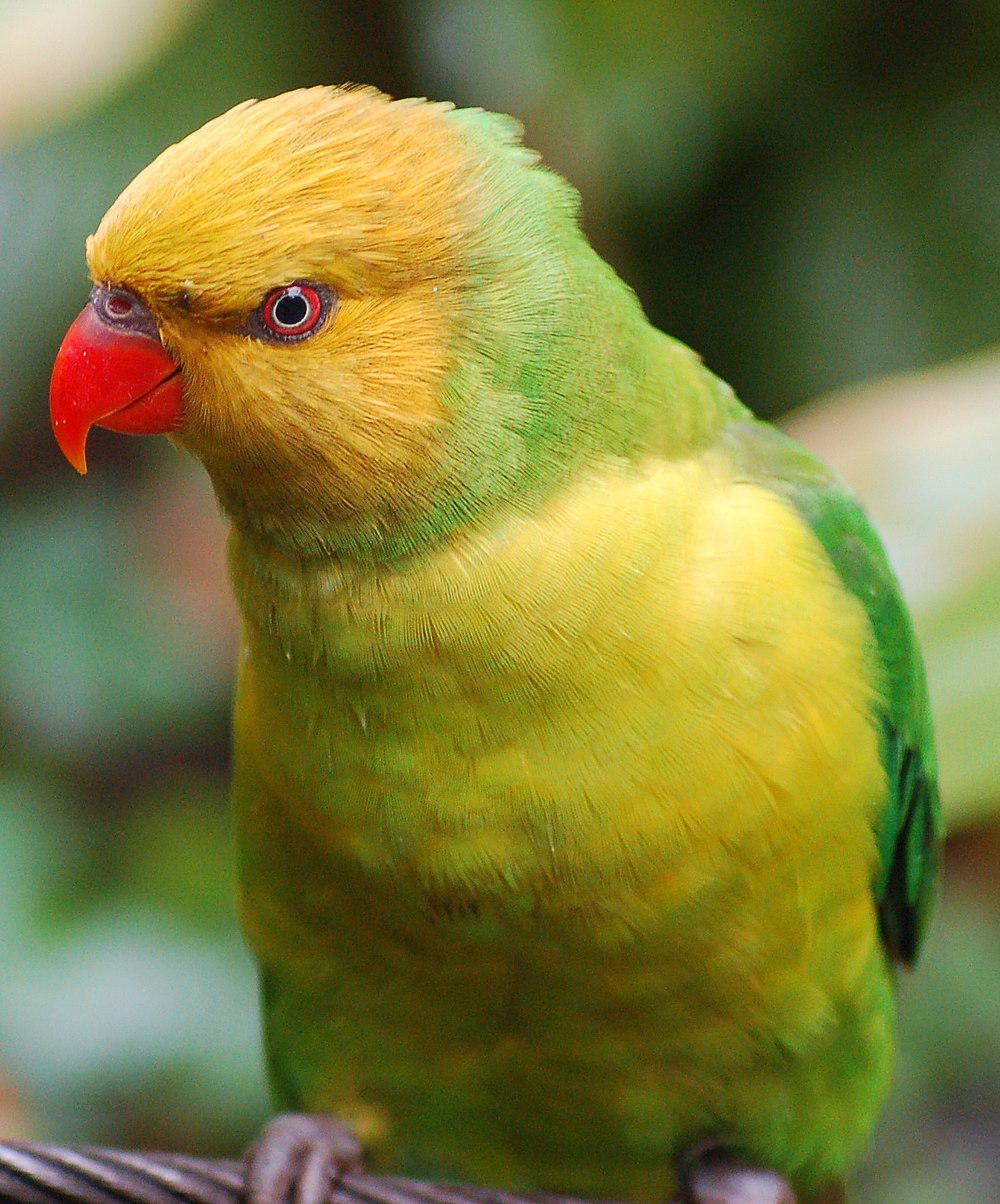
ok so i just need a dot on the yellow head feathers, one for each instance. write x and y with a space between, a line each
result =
369 197
463 357
315 182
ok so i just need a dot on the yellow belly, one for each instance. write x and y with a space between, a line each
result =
558 848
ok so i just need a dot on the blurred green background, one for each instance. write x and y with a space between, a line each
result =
806 192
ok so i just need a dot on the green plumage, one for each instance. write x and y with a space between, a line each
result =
584 772
910 826
564 847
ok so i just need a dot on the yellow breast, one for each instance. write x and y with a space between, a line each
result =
644 665
619 752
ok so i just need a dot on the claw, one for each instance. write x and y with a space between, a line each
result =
299 1158
714 1177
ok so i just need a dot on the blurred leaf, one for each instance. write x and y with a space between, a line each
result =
59 53
90 653
938 1138
145 990
179 855
16 1121
884 246
631 99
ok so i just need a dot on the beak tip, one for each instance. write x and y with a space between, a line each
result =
72 443
77 459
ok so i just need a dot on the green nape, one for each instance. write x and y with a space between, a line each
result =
555 364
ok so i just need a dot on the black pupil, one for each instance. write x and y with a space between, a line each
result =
291 310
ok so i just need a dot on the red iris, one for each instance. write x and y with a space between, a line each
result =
292 311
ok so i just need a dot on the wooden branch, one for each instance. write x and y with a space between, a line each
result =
46 1174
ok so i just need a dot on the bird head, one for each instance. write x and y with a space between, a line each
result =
335 301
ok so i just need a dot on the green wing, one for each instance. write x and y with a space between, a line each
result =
911 821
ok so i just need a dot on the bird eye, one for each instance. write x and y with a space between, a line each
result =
293 312
118 305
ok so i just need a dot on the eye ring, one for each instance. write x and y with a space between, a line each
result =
293 312
119 305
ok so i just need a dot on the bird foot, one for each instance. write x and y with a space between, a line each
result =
715 1177
298 1159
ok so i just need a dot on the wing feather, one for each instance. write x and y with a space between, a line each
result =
910 827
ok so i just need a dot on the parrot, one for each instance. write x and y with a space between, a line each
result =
583 776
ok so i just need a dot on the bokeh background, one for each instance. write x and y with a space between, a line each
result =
807 192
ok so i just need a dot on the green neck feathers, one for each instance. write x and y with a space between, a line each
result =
555 369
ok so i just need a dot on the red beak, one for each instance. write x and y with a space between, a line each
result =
120 379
